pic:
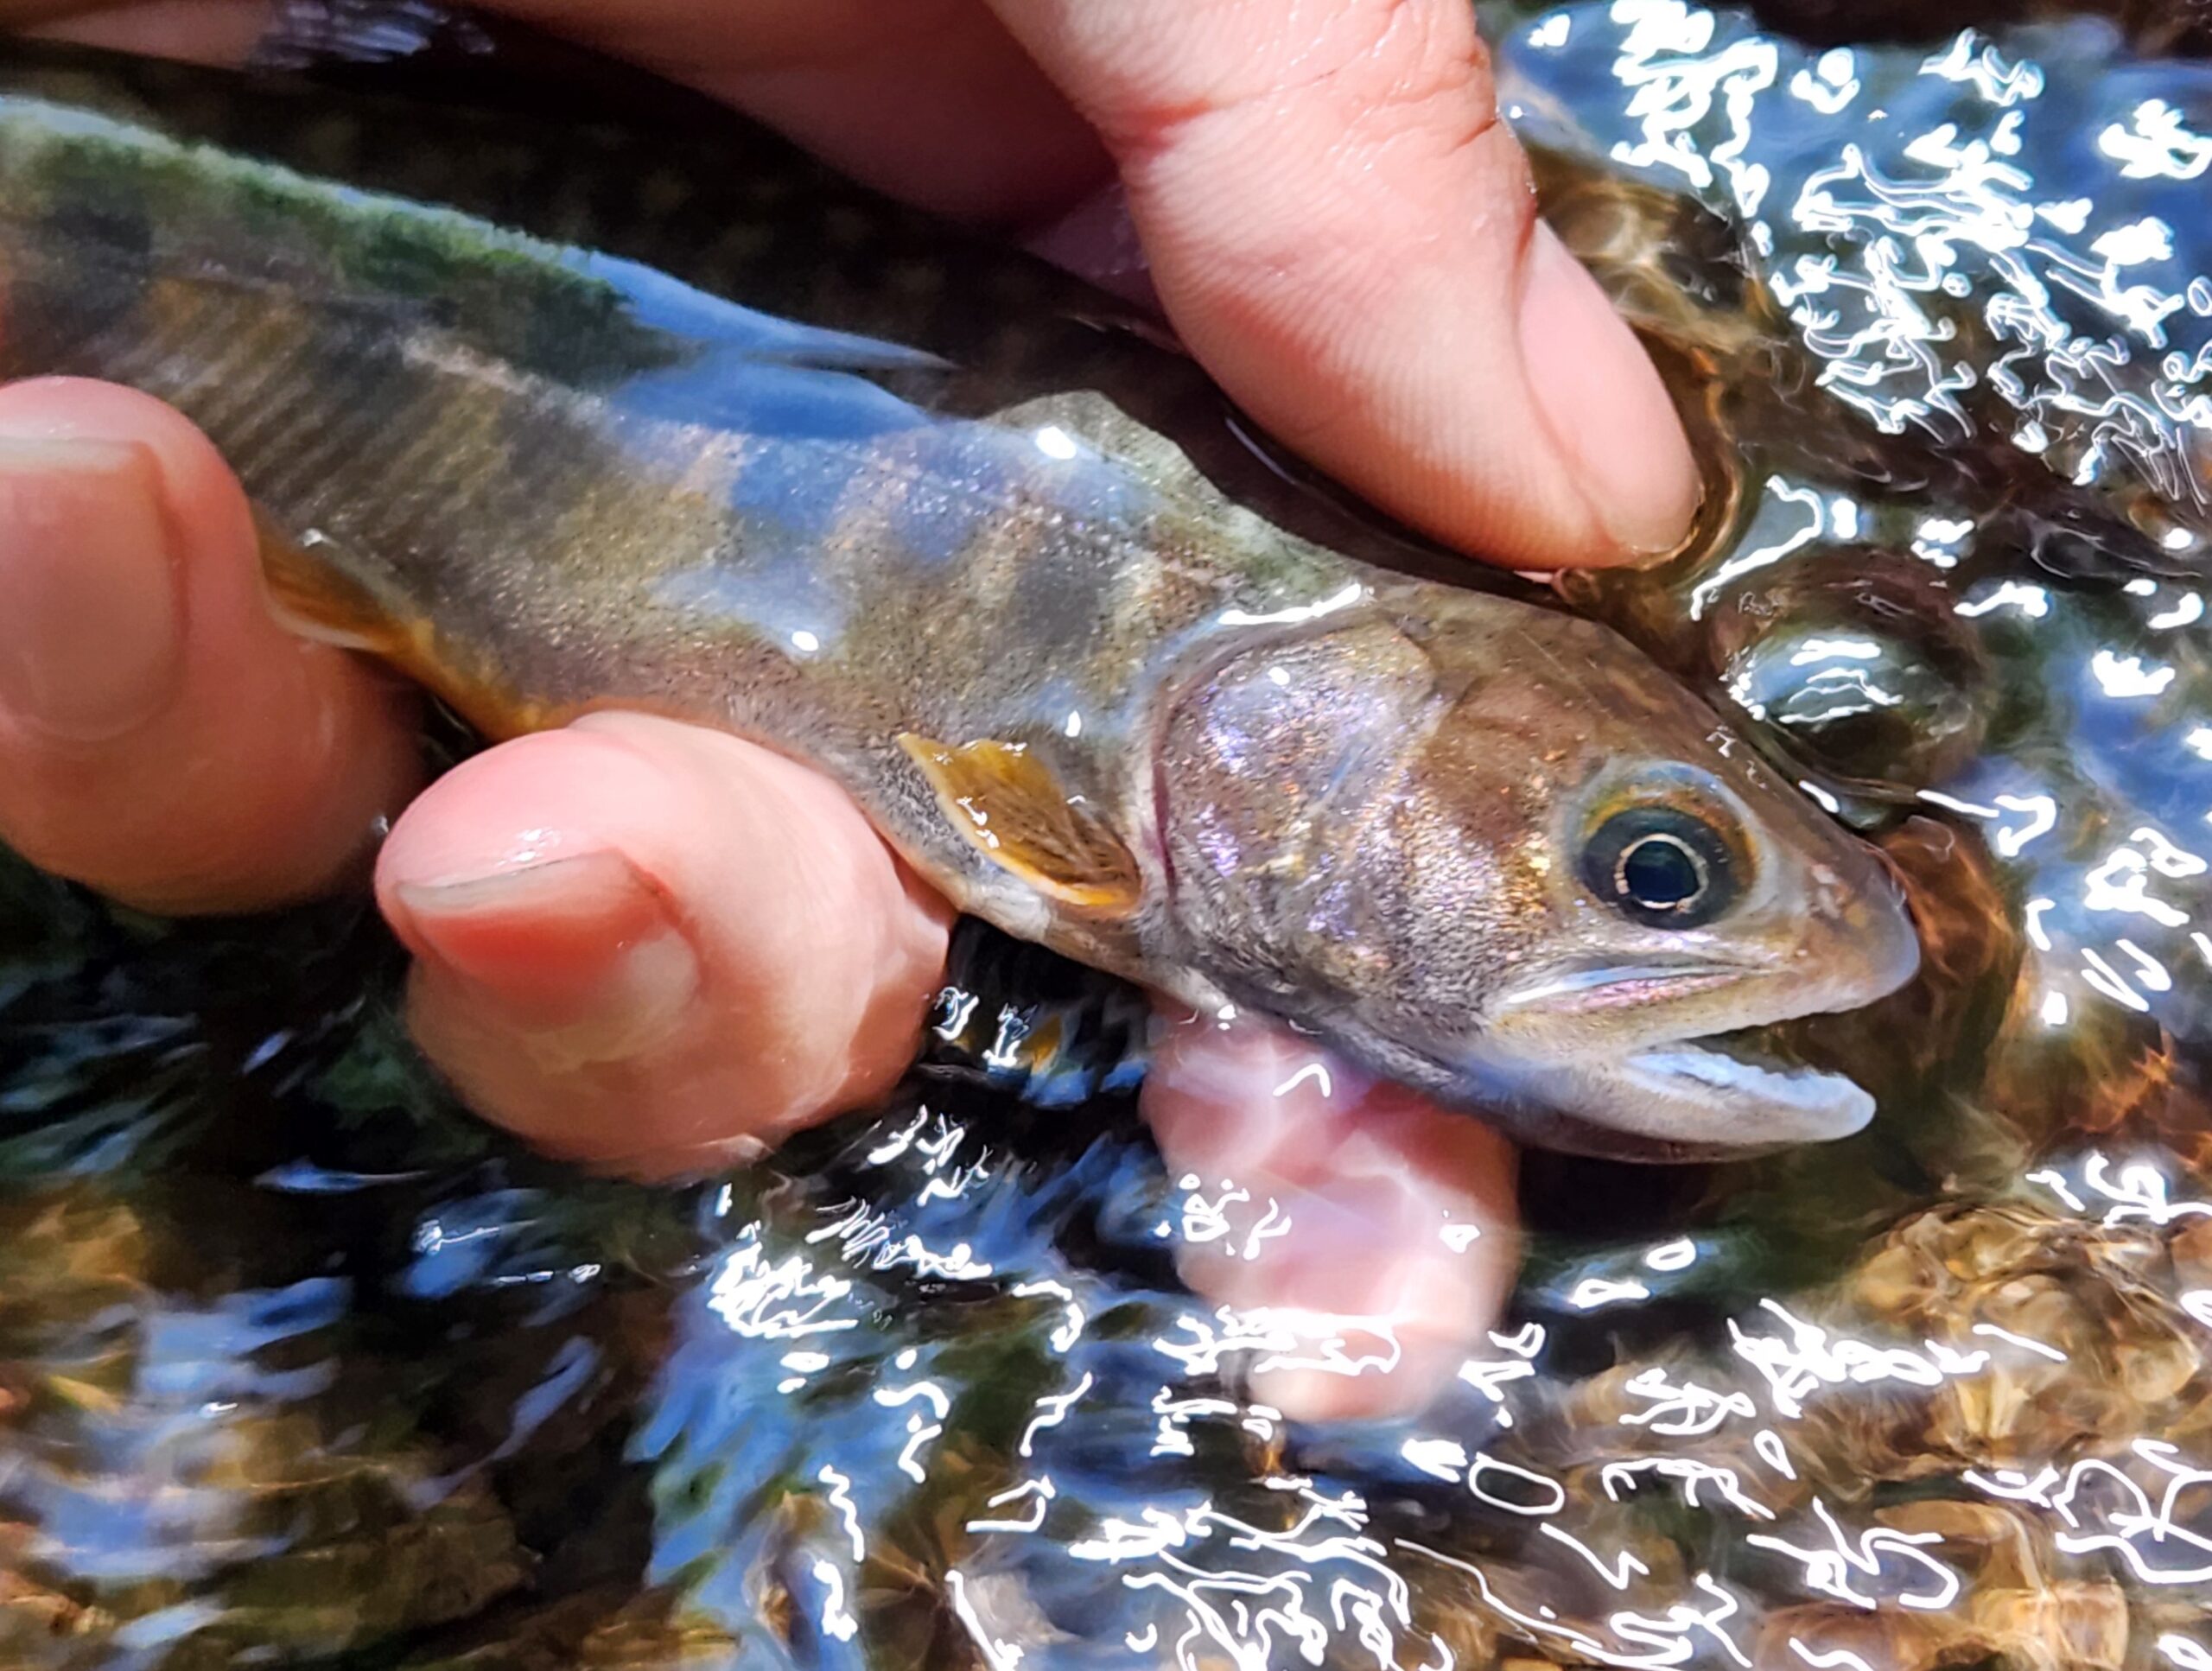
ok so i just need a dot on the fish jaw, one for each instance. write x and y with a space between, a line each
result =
1682 1080
1687 1100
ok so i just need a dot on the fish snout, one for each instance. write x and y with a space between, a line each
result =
1865 924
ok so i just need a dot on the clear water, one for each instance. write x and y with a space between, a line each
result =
300 1366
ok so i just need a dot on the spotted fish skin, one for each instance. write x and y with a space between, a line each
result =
561 421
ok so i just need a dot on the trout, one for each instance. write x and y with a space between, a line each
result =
557 418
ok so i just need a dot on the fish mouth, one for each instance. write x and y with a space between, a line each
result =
1696 1094
1755 1084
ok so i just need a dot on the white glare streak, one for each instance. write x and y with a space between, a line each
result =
1743 562
840 1499
1616 1575
2042 812
1595 1290
1768 1444
1815 650
2030 600
1830 1570
783 1301
1485 1464
1952 803
2103 977
1052 1410
1993 1332
2187 613
1826 802
1298 612
1441 1459
837 1622
999 1656
2124 678
2054 1180
1838 1659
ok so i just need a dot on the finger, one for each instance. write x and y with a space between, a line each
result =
200 31
930 99
161 737
1348 1209
653 947
1343 230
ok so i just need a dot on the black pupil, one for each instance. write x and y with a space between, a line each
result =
1661 874
1662 866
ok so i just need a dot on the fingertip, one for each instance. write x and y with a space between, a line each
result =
197 487
1606 411
1373 1232
1343 230
641 943
556 947
163 739
90 591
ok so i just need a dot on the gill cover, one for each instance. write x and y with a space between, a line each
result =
1273 766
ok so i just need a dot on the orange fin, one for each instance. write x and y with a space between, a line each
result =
313 596
1006 801
314 592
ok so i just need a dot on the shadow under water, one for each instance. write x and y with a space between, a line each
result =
300 1365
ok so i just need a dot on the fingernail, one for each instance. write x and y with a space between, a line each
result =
92 618
584 947
1606 405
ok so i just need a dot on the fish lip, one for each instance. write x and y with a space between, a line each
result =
1587 991
1819 1105
1676 1099
1689 1089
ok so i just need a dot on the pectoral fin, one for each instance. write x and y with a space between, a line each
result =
1007 802
316 598
318 591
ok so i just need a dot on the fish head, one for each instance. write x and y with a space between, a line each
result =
1496 853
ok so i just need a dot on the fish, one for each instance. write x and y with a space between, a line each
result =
556 420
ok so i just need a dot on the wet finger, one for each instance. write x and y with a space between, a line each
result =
161 737
655 947
1343 230
1373 1231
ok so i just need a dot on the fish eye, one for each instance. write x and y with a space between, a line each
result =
1661 866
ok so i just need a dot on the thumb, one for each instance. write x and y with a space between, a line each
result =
1345 232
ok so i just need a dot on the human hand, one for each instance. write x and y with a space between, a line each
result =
641 944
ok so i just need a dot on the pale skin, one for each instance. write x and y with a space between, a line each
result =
635 915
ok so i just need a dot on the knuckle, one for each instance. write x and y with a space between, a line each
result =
1374 69
1386 67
